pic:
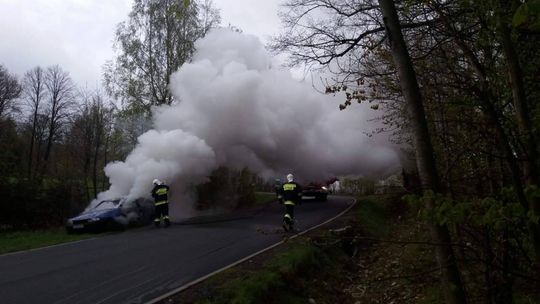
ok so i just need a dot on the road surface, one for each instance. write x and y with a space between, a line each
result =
139 265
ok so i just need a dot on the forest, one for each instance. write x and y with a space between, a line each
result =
56 136
456 83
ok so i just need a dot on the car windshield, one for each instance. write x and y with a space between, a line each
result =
109 204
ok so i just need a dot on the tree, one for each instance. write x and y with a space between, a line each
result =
210 16
34 93
425 156
482 58
338 40
478 80
87 140
522 106
156 40
10 90
59 87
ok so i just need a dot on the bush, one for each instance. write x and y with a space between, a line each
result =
27 204
227 188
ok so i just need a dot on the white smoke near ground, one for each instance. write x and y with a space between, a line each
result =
237 110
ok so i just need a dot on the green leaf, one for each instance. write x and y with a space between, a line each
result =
521 15
528 16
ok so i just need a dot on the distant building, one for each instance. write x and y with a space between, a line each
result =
391 184
334 187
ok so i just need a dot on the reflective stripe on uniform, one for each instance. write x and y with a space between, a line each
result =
161 191
289 203
160 203
289 187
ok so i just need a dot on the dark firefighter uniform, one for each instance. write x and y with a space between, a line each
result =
160 194
290 195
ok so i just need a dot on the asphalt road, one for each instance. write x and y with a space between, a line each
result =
139 265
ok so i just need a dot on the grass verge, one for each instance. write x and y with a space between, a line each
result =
24 240
314 268
279 279
262 198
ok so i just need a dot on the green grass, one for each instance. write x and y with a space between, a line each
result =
256 287
24 240
274 282
373 216
304 268
264 197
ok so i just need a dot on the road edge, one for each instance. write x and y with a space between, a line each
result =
203 278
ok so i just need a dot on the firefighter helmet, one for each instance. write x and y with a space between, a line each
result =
290 177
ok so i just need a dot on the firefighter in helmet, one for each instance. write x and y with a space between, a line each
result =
291 194
160 194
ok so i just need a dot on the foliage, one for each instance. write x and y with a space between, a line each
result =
10 145
493 236
156 40
496 213
52 155
10 89
477 67
278 276
30 239
373 217
357 186
227 187
527 16
27 204
264 197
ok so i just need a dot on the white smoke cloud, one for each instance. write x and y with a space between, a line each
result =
237 110
170 155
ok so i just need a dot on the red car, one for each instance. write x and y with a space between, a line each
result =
315 191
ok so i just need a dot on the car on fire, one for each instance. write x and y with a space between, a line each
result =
113 214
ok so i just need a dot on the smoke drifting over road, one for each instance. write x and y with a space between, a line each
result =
237 110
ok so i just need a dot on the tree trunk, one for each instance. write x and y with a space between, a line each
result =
105 158
34 88
486 97
48 147
525 127
32 140
453 287
98 127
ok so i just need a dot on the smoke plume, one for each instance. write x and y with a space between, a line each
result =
236 109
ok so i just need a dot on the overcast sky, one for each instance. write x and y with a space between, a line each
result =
78 34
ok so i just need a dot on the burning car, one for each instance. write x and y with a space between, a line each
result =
113 214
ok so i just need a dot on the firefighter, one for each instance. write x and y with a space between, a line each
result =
291 194
160 195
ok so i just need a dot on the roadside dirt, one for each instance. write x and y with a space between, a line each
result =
366 271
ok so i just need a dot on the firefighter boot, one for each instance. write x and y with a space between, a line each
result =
287 222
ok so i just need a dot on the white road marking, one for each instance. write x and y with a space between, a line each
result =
199 280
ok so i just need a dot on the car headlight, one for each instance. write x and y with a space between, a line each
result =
94 219
324 188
